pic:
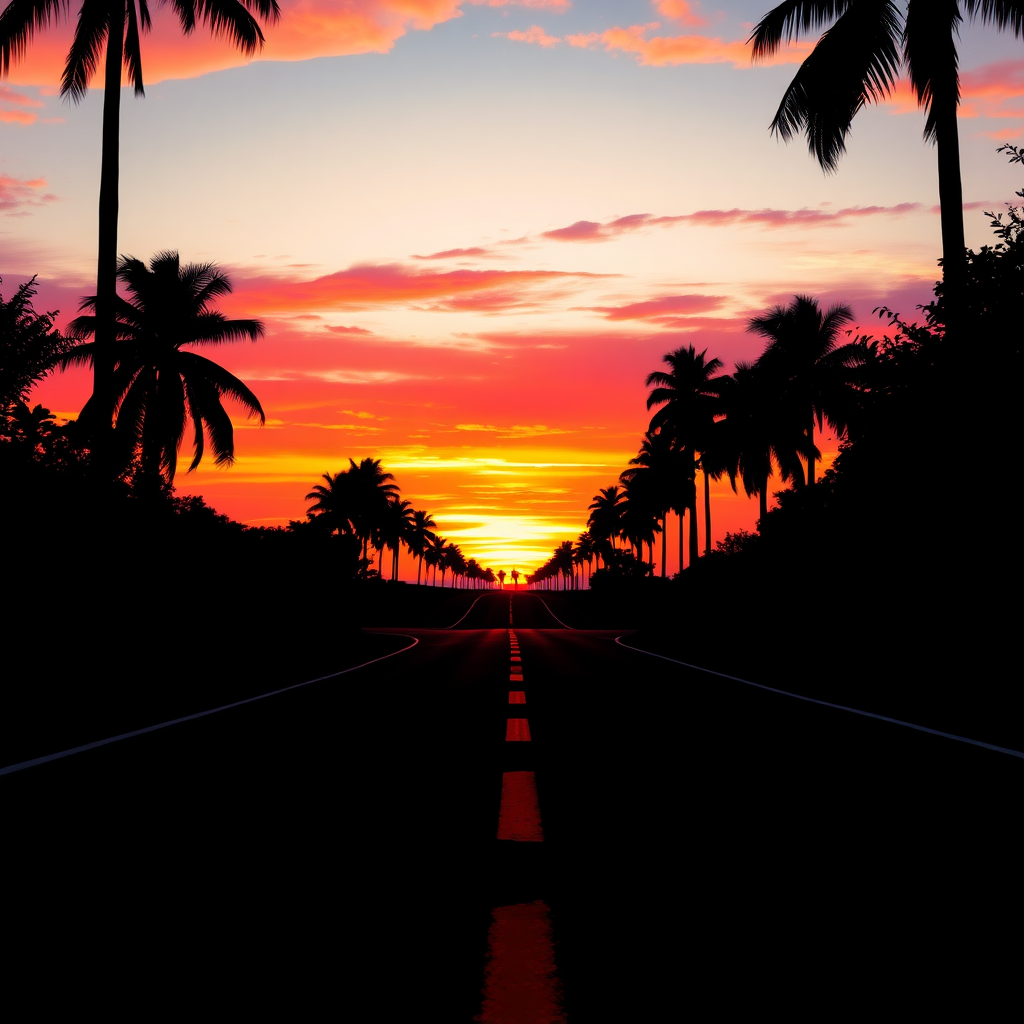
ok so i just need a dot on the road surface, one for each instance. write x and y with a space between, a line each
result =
704 843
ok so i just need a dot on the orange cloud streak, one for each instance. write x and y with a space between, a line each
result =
368 286
308 28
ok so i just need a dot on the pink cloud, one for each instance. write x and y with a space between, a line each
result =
558 6
662 51
595 231
988 91
665 308
534 34
348 330
16 116
308 28
17 193
369 286
448 254
681 11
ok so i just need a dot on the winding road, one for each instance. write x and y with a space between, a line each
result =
650 837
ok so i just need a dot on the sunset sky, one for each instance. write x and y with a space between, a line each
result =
472 229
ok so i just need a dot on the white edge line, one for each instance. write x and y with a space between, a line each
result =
199 714
826 704
468 610
556 618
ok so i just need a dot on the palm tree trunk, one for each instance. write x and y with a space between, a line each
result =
681 511
763 501
106 258
810 452
707 513
694 542
419 569
951 200
664 543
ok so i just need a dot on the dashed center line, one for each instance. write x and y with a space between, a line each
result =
519 818
516 697
522 981
517 730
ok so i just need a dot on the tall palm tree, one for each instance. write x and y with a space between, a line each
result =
858 60
418 538
116 26
664 466
758 434
688 394
606 510
395 526
372 490
434 555
815 373
643 509
158 386
331 503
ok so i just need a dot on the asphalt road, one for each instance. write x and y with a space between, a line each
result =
707 846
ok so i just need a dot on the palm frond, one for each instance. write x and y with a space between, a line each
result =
84 56
199 435
20 20
855 62
196 366
788 20
216 329
133 50
230 19
1001 13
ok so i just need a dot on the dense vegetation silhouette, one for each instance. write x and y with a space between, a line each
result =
112 29
870 512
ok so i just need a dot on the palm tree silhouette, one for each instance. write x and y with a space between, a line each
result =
815 373
642 511
501 578
395 526
418 538
331 503
116 25
157 385
371 491
688 395
664 466
858 60
758 433
605 522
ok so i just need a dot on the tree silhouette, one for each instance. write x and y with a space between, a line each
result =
605 522
371 491
688 395
116 26
418 538
396 524
434 555
30 346
758 433
501 578
331 504
157 385
858 60
816 374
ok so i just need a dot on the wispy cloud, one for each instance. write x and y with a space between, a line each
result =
18 193
665 307
375 285
597 231
660 50
534 34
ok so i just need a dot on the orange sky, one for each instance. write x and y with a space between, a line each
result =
472 229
